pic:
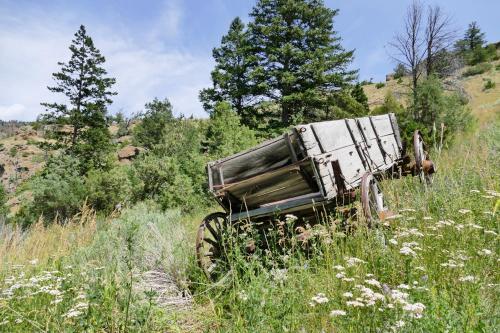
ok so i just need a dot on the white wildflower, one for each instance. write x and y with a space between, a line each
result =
242 295
399 296
290 218
351 261
468 278
427 218
347 294
475 191
5 322
72 313
394 217
18 321
346 279
393 241
399 324
355 304
484 252
340 275
490 232
404 286
320 298
34 261
407 210
338 267
464 211
407 251
415 309
279 275
373 282
493 193
336 313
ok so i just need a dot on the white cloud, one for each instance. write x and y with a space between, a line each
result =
13 112
33 43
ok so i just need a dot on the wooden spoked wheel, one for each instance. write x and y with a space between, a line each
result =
372 199
210 249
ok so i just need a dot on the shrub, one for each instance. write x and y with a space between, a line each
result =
432 108
163 181
3 201
399 71
489 84
106 189
57 192
225 133
478 69
379 85
13 151
497 67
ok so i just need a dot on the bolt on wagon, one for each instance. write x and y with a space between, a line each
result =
319 164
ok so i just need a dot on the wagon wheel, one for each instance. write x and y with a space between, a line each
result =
372 199
210 247
425 167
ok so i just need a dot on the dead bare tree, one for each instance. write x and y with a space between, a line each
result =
408 45
438 36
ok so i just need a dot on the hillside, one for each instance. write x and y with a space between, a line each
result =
483 103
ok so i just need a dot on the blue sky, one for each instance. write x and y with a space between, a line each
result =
163 48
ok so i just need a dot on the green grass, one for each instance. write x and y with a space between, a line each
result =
448 277
432 269
478 69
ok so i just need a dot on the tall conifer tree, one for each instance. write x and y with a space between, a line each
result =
230 77
300 58
88 92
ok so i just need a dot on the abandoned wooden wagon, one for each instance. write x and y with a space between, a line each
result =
317 164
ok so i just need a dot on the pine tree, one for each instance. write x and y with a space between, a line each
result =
299 55
359 95
474 37
82 80
231 81
154 123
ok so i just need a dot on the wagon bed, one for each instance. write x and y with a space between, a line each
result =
307 166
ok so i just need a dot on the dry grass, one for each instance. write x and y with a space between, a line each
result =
43 243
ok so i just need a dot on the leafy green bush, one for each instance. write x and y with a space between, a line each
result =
379 85
497 67
106 189
58 191
225 133
489 84
163 181
399 71
432 108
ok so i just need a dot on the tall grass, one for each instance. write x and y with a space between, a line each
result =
432 268
117 275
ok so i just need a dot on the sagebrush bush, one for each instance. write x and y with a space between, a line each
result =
478 69
489 84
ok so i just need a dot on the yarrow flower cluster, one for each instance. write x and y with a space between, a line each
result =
320 298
